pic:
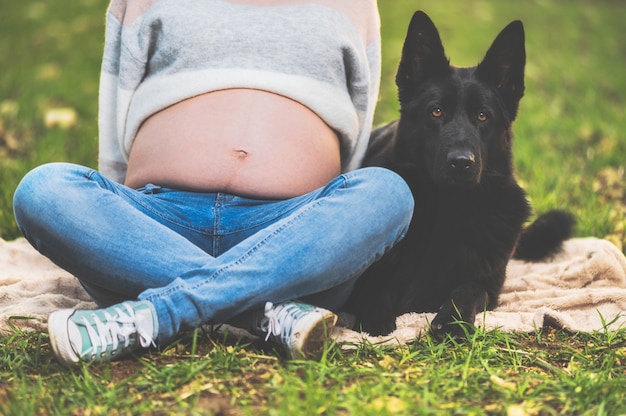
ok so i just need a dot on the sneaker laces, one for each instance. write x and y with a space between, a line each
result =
115 329
279 321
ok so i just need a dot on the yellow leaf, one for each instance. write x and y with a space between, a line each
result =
387 362
63 117
516 410
509 385
389 404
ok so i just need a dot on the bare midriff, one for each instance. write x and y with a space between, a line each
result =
243 142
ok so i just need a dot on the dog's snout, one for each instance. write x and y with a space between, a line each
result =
461 160
463 167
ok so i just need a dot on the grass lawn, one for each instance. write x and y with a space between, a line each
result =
570 146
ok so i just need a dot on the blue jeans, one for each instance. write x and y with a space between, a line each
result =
208 257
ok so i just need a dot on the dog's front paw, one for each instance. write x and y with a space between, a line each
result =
448 322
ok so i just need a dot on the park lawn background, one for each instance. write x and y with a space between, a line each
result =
569 153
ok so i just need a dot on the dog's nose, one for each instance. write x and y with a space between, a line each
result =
461 160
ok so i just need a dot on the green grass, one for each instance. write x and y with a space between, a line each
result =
569 152
491 373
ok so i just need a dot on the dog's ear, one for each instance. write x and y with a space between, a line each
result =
503 65
422 55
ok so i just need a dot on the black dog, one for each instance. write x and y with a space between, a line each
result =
453 146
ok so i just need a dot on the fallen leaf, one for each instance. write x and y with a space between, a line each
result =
62 117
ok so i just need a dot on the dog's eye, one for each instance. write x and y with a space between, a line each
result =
437 112
482 116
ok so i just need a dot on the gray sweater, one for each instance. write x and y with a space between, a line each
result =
324 54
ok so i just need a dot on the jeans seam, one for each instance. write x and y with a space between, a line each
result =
217 217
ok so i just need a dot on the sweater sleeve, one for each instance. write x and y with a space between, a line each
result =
121 73
362 141
110 159
372 38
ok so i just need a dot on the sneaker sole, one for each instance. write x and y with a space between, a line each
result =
59 338
313 344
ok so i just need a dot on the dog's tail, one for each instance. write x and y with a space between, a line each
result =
545 235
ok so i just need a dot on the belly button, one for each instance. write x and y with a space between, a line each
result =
240 153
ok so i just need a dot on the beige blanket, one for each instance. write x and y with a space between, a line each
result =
583 288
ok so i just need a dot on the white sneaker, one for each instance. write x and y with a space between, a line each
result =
300 328
102 334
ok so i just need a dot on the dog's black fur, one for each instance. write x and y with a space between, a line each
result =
453 146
